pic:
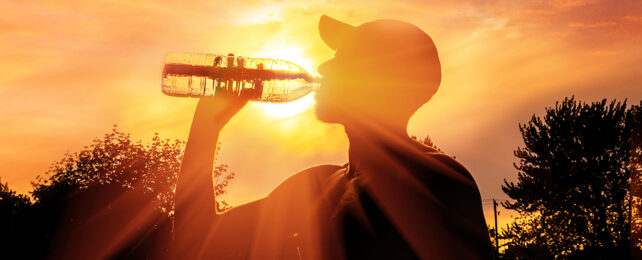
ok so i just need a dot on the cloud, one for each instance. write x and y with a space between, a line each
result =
591 25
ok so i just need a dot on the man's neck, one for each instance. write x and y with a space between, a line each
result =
368 142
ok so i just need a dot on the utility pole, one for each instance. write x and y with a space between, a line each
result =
496 230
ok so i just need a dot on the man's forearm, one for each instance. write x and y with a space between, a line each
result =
195 204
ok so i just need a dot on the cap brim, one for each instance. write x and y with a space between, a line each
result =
334 32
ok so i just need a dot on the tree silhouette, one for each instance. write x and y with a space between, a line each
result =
115 159
114 198
14 208
572 190
427 141
635 121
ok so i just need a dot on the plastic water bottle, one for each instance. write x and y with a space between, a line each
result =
263 80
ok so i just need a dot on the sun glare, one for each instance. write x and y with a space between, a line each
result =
284 110
293 54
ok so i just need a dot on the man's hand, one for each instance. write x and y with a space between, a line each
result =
220 108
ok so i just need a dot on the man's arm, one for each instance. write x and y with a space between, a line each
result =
195 203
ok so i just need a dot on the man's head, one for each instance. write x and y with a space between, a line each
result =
382 70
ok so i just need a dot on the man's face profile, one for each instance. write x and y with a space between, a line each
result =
340 88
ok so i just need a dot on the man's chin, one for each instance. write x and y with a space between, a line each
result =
323 115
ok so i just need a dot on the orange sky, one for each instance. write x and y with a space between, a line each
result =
70 70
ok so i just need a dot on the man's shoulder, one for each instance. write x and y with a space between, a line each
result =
310 179
447 160
429 163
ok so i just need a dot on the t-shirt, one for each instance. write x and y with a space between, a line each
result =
421 204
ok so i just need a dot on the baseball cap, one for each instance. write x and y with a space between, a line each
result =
398 45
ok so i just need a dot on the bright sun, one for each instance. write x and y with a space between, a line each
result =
284 110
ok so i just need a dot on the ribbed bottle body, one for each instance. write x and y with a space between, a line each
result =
262 79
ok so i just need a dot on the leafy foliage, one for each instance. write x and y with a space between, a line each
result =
115 159
107 185
635 121
13 206
572 188
427 141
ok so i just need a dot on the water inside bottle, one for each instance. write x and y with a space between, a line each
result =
267 80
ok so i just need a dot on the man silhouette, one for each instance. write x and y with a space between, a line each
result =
395 199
